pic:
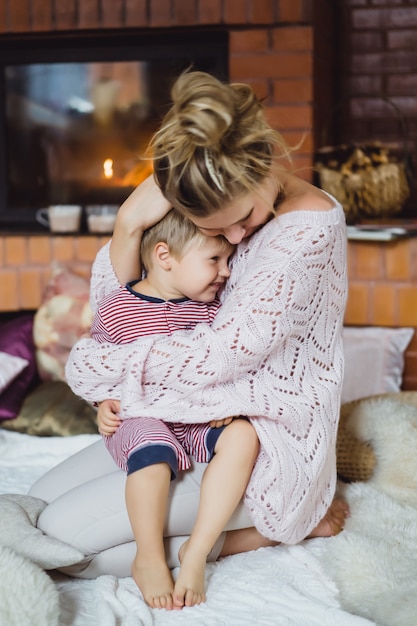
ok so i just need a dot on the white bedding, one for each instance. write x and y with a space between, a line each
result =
270 587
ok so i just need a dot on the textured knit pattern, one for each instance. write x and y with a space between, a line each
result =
123 316
273 353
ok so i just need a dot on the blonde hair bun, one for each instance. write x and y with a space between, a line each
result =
213 144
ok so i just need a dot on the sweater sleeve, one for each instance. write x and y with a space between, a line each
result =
215 371
103 277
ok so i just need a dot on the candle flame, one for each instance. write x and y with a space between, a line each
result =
108 168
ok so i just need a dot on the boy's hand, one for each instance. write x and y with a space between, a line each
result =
108 420
220 423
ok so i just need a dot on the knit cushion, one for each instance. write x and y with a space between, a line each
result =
355 458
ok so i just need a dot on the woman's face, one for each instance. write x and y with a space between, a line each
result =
242 217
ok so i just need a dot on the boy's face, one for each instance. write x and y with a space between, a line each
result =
202 270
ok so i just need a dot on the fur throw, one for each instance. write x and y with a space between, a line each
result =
374 560
28 597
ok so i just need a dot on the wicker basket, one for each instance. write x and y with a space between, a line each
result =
368 179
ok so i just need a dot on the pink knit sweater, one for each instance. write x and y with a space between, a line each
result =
273 353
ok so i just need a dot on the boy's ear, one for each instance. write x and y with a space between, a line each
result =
162 255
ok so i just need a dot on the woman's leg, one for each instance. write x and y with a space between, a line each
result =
222 487
90 463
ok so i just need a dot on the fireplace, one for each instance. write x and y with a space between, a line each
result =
283 48
79 112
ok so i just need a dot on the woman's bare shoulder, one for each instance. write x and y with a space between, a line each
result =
303 196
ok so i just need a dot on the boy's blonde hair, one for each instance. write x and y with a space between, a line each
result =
179 233
214 144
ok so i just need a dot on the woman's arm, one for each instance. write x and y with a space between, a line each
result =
195 376
143 208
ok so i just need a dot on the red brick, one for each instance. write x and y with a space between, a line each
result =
86 248
136 13
9 294
161 13
407 303
369 261
65 14
39 250
357 309
263 11
210 11
111 14
290 11
293 39
41 15
249 41
271 66
383 305
235 12
4 21
301 165
30 290
289 90
88 14
398 261
15 251
300 141
185 13
18 16
63 249
289 118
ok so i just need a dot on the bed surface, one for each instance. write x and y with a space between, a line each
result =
269 587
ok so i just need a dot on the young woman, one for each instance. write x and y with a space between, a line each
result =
274 351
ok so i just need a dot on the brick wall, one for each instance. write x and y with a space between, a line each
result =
271 47
383 290
26 263
378 59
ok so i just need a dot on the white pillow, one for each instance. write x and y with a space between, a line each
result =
374 360
10 367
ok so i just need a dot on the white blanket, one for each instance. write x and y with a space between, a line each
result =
269 587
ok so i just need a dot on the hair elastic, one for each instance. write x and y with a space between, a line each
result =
215 176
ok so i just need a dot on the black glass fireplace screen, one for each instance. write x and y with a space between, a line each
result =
79 111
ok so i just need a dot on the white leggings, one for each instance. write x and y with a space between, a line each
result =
86 509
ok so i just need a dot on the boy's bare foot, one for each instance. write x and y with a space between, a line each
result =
189 587
333 522
155 582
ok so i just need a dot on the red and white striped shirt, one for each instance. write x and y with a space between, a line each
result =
124 315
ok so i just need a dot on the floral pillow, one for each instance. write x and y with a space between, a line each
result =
63 317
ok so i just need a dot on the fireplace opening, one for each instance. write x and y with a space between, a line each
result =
78 112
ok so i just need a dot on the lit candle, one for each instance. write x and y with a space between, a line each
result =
108 168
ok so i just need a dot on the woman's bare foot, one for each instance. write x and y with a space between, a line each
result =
155 582
334 520
244 540
189 587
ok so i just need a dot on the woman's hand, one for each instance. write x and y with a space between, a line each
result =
143 208
108 420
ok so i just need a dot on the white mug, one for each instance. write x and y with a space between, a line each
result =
60 218
101 218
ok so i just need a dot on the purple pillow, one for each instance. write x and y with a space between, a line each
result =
16 338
